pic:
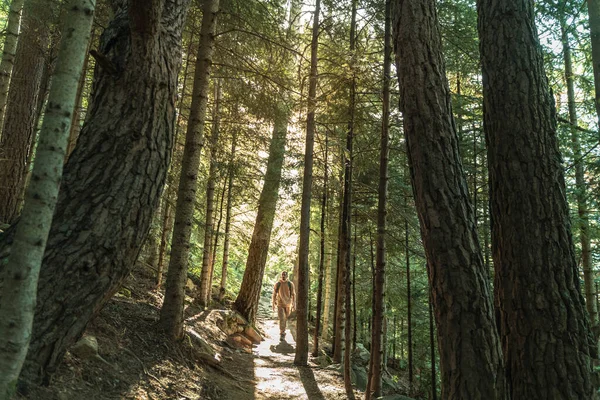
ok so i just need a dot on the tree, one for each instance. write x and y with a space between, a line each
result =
301 356
247 300
537 281
207 258
16 145
112 182
460 291
23 266
171 313
375 364
8 53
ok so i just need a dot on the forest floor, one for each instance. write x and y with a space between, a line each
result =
136 361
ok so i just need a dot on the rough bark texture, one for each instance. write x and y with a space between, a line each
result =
209 240
8 53
375 366
23 266
247 300
112 181
470 356
583 223
171 314
546 337
22 108
301 356
327 296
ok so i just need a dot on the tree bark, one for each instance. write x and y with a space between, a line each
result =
204 296
594 16
375 366
22 108
225 262
322 240
301 356
537 282
23 266
470 355
8 53
112 182
171 315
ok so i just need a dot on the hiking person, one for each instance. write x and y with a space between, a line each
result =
284 296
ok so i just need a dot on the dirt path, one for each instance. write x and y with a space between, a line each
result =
269 372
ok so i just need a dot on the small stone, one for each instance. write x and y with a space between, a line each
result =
85 348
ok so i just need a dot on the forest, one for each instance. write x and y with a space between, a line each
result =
425 171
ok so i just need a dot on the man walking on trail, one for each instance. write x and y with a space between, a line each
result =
284 296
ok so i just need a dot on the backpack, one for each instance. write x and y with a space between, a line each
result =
279 284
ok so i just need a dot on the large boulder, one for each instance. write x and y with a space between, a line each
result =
359 376
361 355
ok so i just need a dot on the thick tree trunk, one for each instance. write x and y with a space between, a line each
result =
583 223
375 366
470 357
112 181
8 53
537 281
27 250
204 296
301 356
22 108
247 300
225 262
171 314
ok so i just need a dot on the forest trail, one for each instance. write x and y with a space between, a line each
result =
273 374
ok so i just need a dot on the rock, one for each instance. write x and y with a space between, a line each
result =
252 334
359 376
360 355
388 384
190 285
85 348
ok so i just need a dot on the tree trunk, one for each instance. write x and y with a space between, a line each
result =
594 16
432 352
123 154
583 223
375 366
225 262
9 50
27 250
461 294
22 108
164 237
327 297
204 296
409 324
171 314
321 248
301 356
346 219
537 281
247 300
